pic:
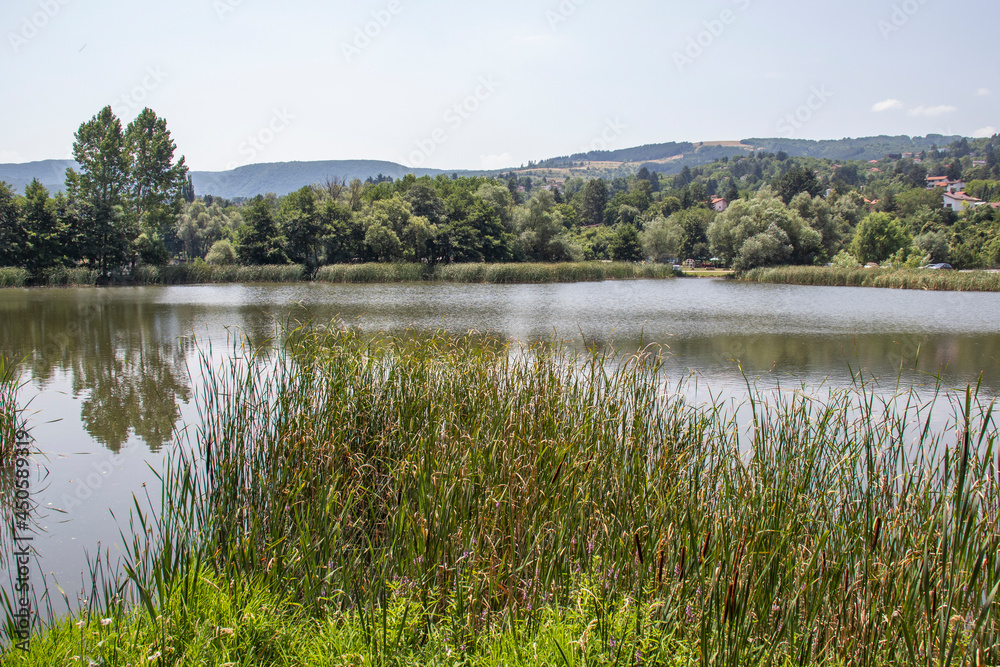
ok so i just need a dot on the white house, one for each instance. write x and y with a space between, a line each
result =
959 201
719 204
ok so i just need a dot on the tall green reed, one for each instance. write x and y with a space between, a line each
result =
12 277
9 412
411 484
917 279
509 273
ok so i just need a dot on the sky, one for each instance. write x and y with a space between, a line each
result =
458 84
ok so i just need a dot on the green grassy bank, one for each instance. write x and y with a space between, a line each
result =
919 279
492 273
200 273
357 500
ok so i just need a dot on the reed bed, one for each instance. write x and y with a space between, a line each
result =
201 273
371 273
70 277
11 277
407 498
918 279
513 273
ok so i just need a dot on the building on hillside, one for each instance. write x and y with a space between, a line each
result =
946 183
719 204
979 163
959 201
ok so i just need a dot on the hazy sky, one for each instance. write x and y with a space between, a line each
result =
464 85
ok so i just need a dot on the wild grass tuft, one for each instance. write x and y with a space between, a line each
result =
9 413
11 277
70 277
371 273
918 279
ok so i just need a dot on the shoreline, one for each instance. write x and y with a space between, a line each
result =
203 274
908 279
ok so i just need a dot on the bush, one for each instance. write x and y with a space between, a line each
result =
222 253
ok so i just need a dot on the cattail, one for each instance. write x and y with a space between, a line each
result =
559 469
727 614
683 558
704 548
638 548
876 533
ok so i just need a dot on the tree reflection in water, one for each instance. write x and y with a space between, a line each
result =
126 360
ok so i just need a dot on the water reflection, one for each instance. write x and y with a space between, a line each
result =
122 359
124 353
113 364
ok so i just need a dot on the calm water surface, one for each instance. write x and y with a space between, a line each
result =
109 370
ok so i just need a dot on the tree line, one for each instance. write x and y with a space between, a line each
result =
133 203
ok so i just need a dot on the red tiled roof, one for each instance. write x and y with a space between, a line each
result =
961 196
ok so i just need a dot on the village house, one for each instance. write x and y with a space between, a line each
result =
959 201
719 204
946 183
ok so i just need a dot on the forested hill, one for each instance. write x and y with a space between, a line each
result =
284 177
668 158
865 148
51 173
249 181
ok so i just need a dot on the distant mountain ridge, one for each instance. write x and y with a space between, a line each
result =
248 181
667 158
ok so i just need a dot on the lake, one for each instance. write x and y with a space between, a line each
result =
109 371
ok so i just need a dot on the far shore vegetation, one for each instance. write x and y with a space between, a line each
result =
371 499
902 278
130 215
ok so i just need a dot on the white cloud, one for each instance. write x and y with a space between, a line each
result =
496 161
886 105
983 92
10 156
939 110
985 132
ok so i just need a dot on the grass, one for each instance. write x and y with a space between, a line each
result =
9 381
371 273
919 279
201 273
519 273
70 277
10 277
356 499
